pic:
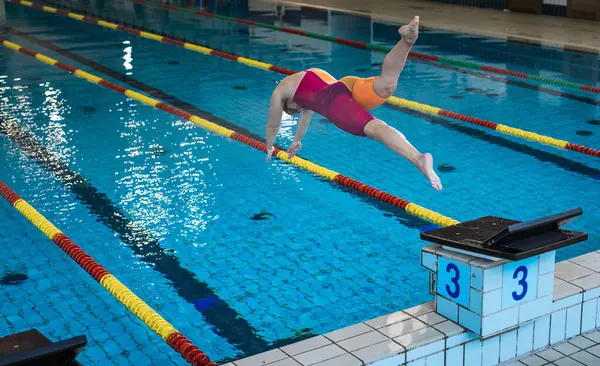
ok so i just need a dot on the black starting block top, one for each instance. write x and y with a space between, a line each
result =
509 239
31 348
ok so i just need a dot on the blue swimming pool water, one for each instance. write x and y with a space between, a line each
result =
268 253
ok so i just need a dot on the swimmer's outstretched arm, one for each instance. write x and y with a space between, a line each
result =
275 113
300 132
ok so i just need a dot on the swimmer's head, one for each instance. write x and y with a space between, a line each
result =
290 107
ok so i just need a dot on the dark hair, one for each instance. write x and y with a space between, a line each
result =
290 111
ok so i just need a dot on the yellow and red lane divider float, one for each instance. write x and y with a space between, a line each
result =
409 207
399 102
151 318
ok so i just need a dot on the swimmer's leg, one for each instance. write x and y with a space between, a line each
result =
386 83
393 139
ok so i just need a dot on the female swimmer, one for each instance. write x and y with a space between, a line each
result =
346 102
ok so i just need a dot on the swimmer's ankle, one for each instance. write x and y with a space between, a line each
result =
410 32
420 160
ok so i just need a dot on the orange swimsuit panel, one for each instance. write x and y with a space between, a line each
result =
361 88
324 75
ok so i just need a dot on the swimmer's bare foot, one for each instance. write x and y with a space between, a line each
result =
426 167
410 32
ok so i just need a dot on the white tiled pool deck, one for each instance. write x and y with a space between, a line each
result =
578 351
421 337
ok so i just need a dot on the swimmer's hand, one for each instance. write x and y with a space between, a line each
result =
270 153
293 149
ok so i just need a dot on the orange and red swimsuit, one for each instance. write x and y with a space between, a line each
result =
344 102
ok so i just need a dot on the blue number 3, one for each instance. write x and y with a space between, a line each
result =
522 282
454 294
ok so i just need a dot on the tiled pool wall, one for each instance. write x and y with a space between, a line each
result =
566 294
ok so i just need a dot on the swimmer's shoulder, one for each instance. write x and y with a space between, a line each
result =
294 78
287 87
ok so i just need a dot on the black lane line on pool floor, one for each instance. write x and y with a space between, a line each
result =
401 215
483 75
226 322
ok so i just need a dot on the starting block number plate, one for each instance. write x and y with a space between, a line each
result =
519 282
454 280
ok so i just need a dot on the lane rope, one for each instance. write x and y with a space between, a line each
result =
307 165
192 354
395 101
384 49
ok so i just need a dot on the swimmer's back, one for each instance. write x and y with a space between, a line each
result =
361 88
322 93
